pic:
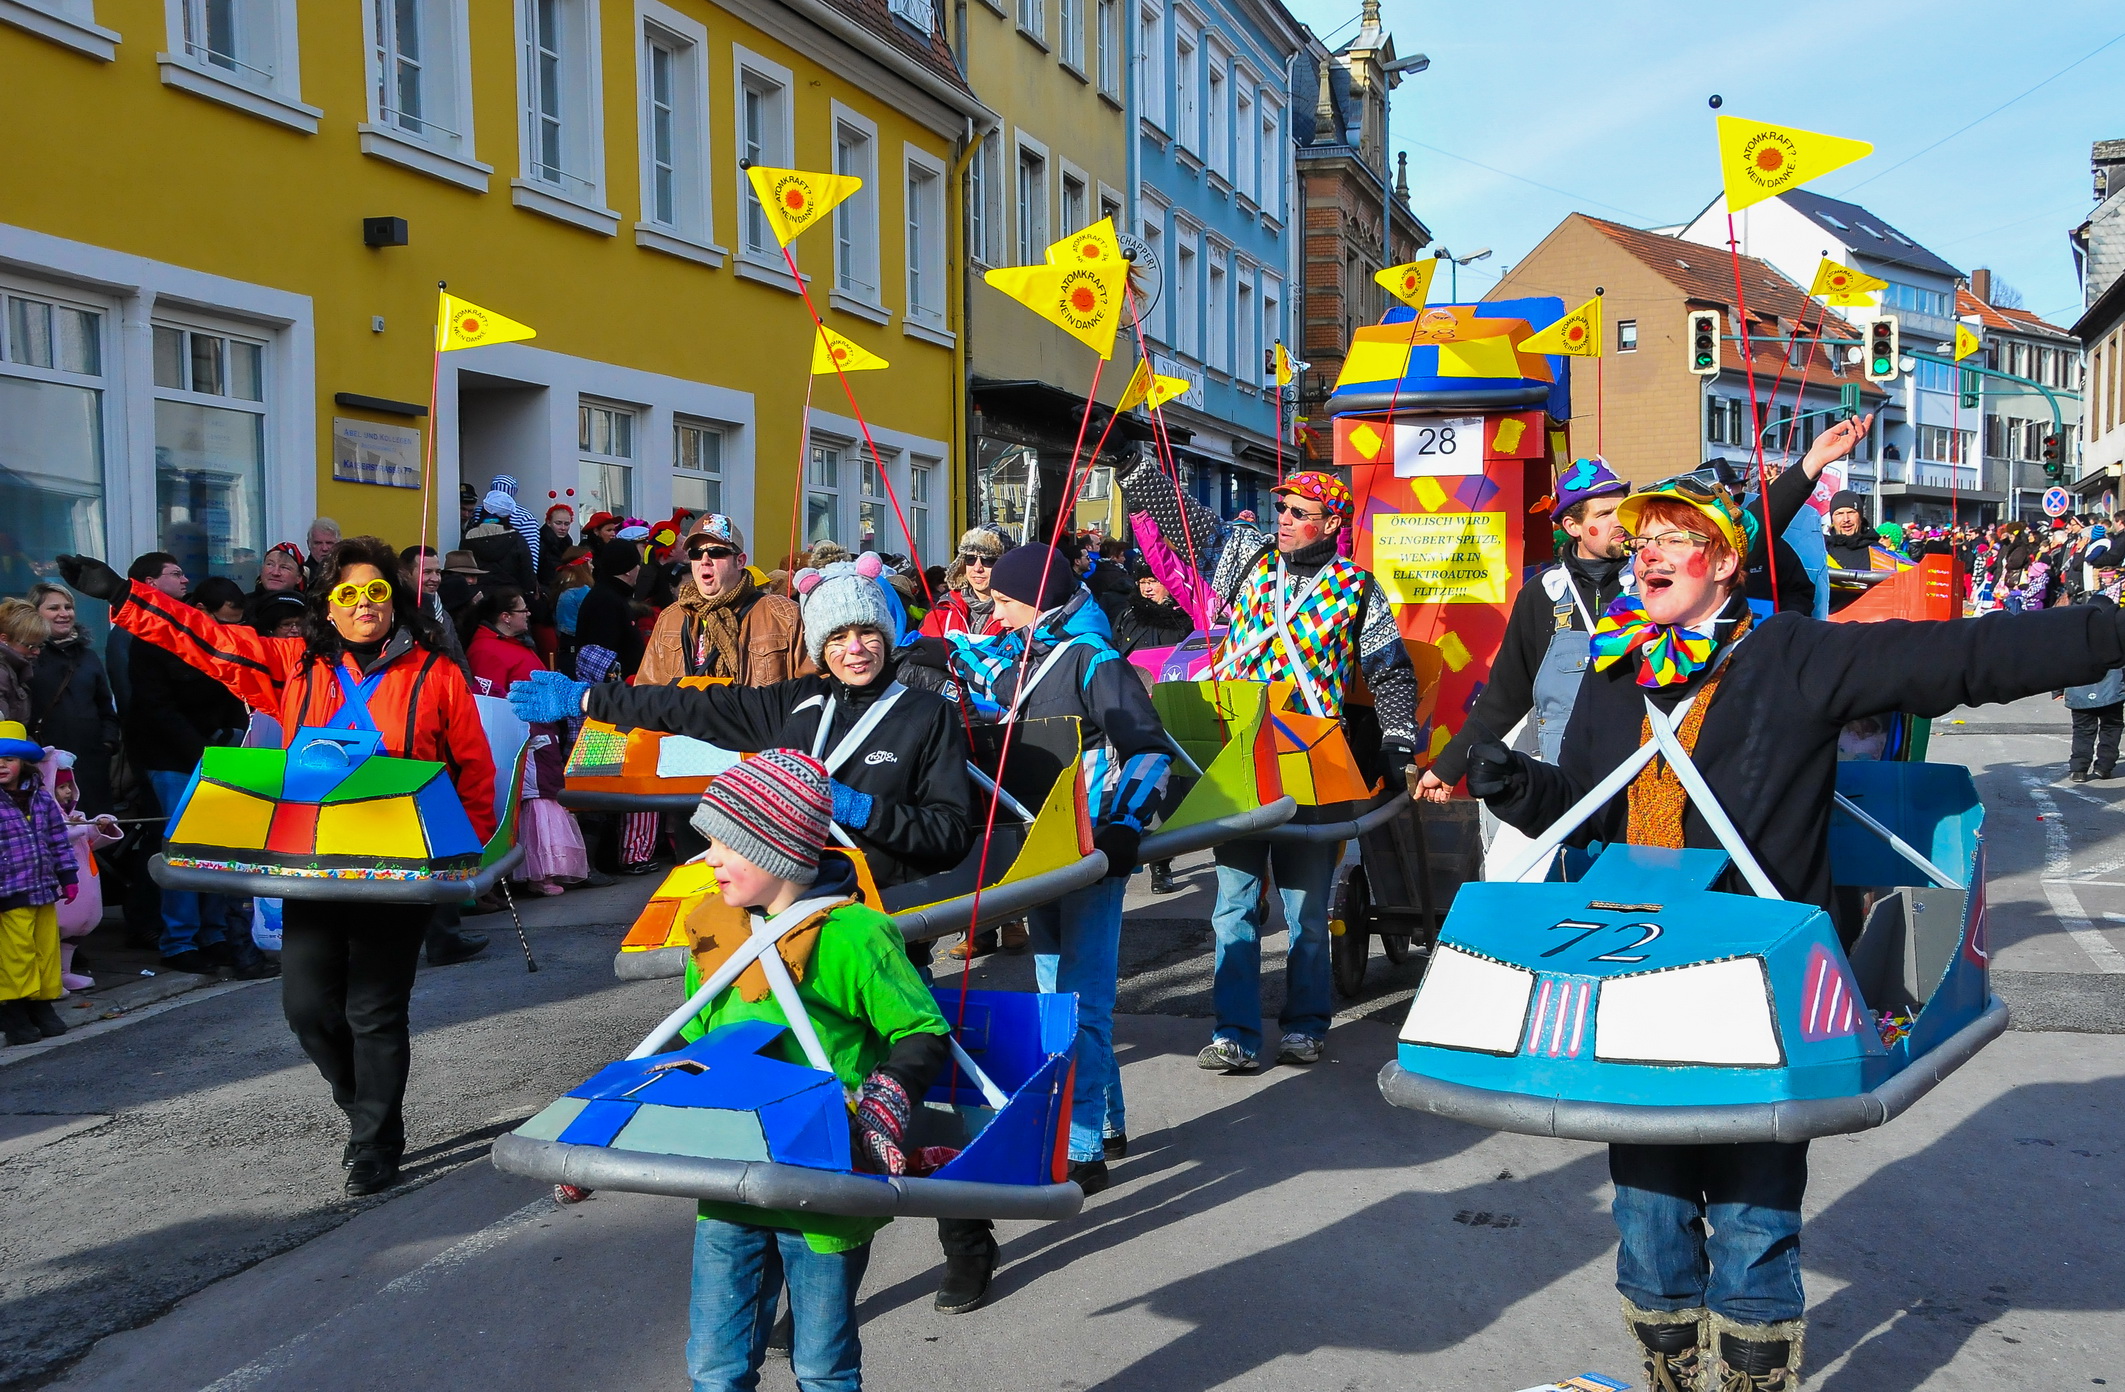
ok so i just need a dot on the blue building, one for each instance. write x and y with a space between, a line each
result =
1213 194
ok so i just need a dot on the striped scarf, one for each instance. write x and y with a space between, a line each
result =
1324 630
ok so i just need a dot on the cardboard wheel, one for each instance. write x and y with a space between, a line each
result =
1348 951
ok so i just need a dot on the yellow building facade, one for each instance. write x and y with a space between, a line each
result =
1056 74
227 220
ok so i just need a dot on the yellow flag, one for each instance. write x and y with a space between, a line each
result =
1083 300
1091 246
1148 388
1966 341
1410 282
1841 285
794 199
1759 161
1281 363
831 351
1576 335
463 324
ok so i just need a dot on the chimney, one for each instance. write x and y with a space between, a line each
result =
1981 283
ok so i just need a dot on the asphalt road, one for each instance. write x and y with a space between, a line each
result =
174 1217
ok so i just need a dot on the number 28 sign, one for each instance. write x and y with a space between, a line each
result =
1439 445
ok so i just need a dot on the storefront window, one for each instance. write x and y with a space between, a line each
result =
51 437
697 467
1009 484
606 438
210 452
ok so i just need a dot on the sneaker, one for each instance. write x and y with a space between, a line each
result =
2080 775
596 879
566 1194
1222 1055
1299 1048
1116 1145
973 945
455 948
1089 1175
1162 878
782 1336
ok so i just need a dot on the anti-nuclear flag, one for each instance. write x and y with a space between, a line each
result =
1149 389
463 324
794 199
1841 285
1410 282
1079 289
1759 161
831 351
1966 341
1280 363
1577 334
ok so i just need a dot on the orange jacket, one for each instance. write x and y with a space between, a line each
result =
422 707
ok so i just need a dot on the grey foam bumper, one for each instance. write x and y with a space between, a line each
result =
999 904
579 800
765 1184
239 882
1754 1121
1349 830
1437 402
1161 845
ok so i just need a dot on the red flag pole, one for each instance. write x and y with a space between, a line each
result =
1748 368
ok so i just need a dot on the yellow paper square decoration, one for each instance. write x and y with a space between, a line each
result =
1440 738
1428 492
1367 440
1509 432
1454 651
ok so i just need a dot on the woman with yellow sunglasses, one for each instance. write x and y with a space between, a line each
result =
368 658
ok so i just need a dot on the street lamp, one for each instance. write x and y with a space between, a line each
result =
1414 63
1454 264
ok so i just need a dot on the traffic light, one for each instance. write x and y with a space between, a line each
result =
1969 385
2054 467
1703 338
1881 348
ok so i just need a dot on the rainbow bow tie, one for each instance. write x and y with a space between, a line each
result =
1670 653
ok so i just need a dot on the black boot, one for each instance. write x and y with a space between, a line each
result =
966 1280
1756 1357
246 962
372 1172
43 1018
1162 877
15 1022
1671 1342
1089 1175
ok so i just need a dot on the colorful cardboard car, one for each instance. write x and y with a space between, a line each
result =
1630 1001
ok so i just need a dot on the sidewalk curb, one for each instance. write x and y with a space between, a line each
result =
205 988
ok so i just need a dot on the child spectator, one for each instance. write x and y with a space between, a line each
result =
36 872
881 1033
79 915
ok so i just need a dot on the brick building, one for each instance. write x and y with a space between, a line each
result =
1339 110
1662 419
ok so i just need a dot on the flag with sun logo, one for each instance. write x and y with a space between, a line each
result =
463 324
1078 289
1967 341
1759 161
1841 285
1410 282
794 199
833 352
1150 389
1576 335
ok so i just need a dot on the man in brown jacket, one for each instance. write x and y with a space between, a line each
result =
723 625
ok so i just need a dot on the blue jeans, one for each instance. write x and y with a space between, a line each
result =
188 920
1305 871
739 1270
1077 945
1716 1226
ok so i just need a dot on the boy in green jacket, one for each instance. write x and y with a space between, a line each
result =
872 1020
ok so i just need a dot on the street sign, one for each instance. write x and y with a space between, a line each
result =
2056 502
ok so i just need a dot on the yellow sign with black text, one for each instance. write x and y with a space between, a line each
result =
1441 558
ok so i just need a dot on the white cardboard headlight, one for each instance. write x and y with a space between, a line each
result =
1716 1013
1469 1002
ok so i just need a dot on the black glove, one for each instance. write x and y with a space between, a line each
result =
1120 843
94 579
1495 771
926 651
1396 760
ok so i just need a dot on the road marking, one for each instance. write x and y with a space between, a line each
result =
413 1282
2065 905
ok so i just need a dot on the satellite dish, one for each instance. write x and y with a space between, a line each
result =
1147 278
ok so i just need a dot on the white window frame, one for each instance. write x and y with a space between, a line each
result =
690 233
837 493
1065 219
925 246
925 490
1217 293
1070 36
862 292
1033 20
1109 43
1246 329
716 478
1151 226
776 87
264 77
1269 154
68 22
1033 227
106 382
1151 103
177 317
1187 76
984 194
1243 133
570 194
632 462
442 145
1269 293
1217 112
1185 286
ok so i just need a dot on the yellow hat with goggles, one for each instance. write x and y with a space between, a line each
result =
1714 500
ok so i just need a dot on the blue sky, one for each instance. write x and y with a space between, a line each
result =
1607 102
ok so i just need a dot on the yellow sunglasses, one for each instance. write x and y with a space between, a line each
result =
377 591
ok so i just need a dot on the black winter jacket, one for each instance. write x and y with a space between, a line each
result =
914 765
176 712
70 699
607 620
1145 623
1768 745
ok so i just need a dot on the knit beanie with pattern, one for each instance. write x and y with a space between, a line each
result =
773 809
846 594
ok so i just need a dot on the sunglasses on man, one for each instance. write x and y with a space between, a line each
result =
1299 514
713 553
976 558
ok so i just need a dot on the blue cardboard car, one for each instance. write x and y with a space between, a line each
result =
1627 1000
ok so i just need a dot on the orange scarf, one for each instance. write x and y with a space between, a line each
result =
1656 797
